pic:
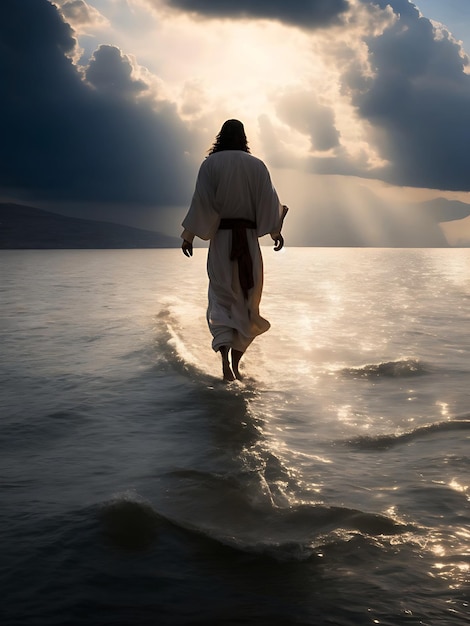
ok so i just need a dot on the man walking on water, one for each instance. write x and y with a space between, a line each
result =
234 204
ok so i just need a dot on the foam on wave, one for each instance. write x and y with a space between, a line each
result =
400 368
382 442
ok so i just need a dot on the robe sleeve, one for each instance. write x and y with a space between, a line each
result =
270 212
202 220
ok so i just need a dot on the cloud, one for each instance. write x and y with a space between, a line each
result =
307 13
81 15
374 91
84 134
400 111
110 72
303 111
417 102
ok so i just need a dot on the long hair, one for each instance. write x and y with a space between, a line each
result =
231 137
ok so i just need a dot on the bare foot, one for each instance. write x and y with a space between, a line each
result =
226 369
236 356
227 372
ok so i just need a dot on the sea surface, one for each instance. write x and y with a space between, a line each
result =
330 486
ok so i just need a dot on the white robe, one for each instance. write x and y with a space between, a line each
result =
233 184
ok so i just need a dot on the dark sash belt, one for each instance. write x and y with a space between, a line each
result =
240 250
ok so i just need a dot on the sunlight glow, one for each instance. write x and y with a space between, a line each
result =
244 68
439 550
444 407
238 66
459 487
450 566
346 415
279 79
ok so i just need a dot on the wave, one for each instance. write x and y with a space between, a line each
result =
185 356
129 522
283 533
210 395
383 442
173 349
298 533
249 505
185 347
401 368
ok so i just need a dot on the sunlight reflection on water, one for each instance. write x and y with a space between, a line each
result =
353 419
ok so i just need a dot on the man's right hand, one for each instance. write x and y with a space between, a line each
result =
187 248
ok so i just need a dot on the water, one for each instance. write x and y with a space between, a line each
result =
330 487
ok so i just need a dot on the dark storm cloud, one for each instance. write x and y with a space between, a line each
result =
67 136
305 13
418 102
111 73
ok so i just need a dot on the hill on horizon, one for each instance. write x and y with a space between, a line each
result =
25 227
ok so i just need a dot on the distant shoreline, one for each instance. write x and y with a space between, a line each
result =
28 228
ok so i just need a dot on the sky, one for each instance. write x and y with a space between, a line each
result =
359 108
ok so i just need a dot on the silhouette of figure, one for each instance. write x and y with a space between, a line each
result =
234 203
